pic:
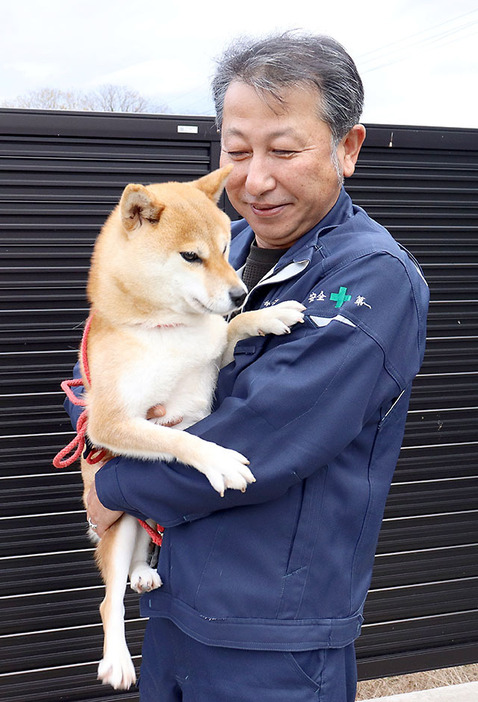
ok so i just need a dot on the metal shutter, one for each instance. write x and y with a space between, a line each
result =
60 175
422 184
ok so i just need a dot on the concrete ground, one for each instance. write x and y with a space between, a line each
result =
467 692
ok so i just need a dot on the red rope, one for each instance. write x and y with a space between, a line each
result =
65 457
84 349
156 535
77 445
75 448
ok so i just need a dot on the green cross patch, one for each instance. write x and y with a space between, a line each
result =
340 297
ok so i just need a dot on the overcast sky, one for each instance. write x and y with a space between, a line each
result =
418 58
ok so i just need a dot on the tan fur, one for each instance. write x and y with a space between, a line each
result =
158 335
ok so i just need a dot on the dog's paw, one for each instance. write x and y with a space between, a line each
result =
278 319
144 579
227 469
117 671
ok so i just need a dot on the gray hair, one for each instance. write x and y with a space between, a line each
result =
295 60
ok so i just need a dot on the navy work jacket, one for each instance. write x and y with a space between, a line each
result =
320 413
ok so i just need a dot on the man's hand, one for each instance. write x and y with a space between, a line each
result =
159 411
99 515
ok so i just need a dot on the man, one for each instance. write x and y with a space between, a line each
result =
263 591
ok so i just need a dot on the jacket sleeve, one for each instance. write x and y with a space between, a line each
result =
290 404
74 411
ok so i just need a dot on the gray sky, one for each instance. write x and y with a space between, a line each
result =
418 58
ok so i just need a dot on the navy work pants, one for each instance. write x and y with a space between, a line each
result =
177 668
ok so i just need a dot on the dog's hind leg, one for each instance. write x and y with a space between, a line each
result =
142 577
114 554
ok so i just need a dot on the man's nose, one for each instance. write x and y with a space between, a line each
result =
259 179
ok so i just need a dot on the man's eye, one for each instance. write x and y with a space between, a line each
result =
190 256
284 152
237 155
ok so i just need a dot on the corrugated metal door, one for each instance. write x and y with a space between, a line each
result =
60 175
422 612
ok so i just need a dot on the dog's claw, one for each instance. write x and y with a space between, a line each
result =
144 579
225 468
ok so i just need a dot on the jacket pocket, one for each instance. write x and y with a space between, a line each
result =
303 542
390 411
308 665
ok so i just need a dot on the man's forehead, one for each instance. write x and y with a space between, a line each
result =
233 130
243 102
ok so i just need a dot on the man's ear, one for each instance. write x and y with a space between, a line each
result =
350 146
213 183
137 205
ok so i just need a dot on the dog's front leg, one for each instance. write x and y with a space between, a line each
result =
277 319
135 436
114 554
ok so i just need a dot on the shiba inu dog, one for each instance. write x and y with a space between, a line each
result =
159 286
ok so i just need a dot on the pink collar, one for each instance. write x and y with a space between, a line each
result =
169 326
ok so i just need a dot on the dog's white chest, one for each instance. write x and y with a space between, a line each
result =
176 367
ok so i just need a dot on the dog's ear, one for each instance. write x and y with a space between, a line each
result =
213 183
137 205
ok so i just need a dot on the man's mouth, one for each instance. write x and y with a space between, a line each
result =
266 210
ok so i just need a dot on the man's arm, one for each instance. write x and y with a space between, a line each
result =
75 411
290 415
290 404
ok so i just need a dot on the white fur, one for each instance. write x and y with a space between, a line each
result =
116 667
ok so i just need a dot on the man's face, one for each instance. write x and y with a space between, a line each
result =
287 174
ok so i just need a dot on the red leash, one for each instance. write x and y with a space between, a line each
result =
75 448
155 536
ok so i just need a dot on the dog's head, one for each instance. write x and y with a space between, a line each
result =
168 247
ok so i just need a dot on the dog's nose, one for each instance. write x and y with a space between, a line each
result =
237 295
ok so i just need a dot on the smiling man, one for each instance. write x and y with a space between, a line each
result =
263 591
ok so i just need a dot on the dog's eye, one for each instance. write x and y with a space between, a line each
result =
190 256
